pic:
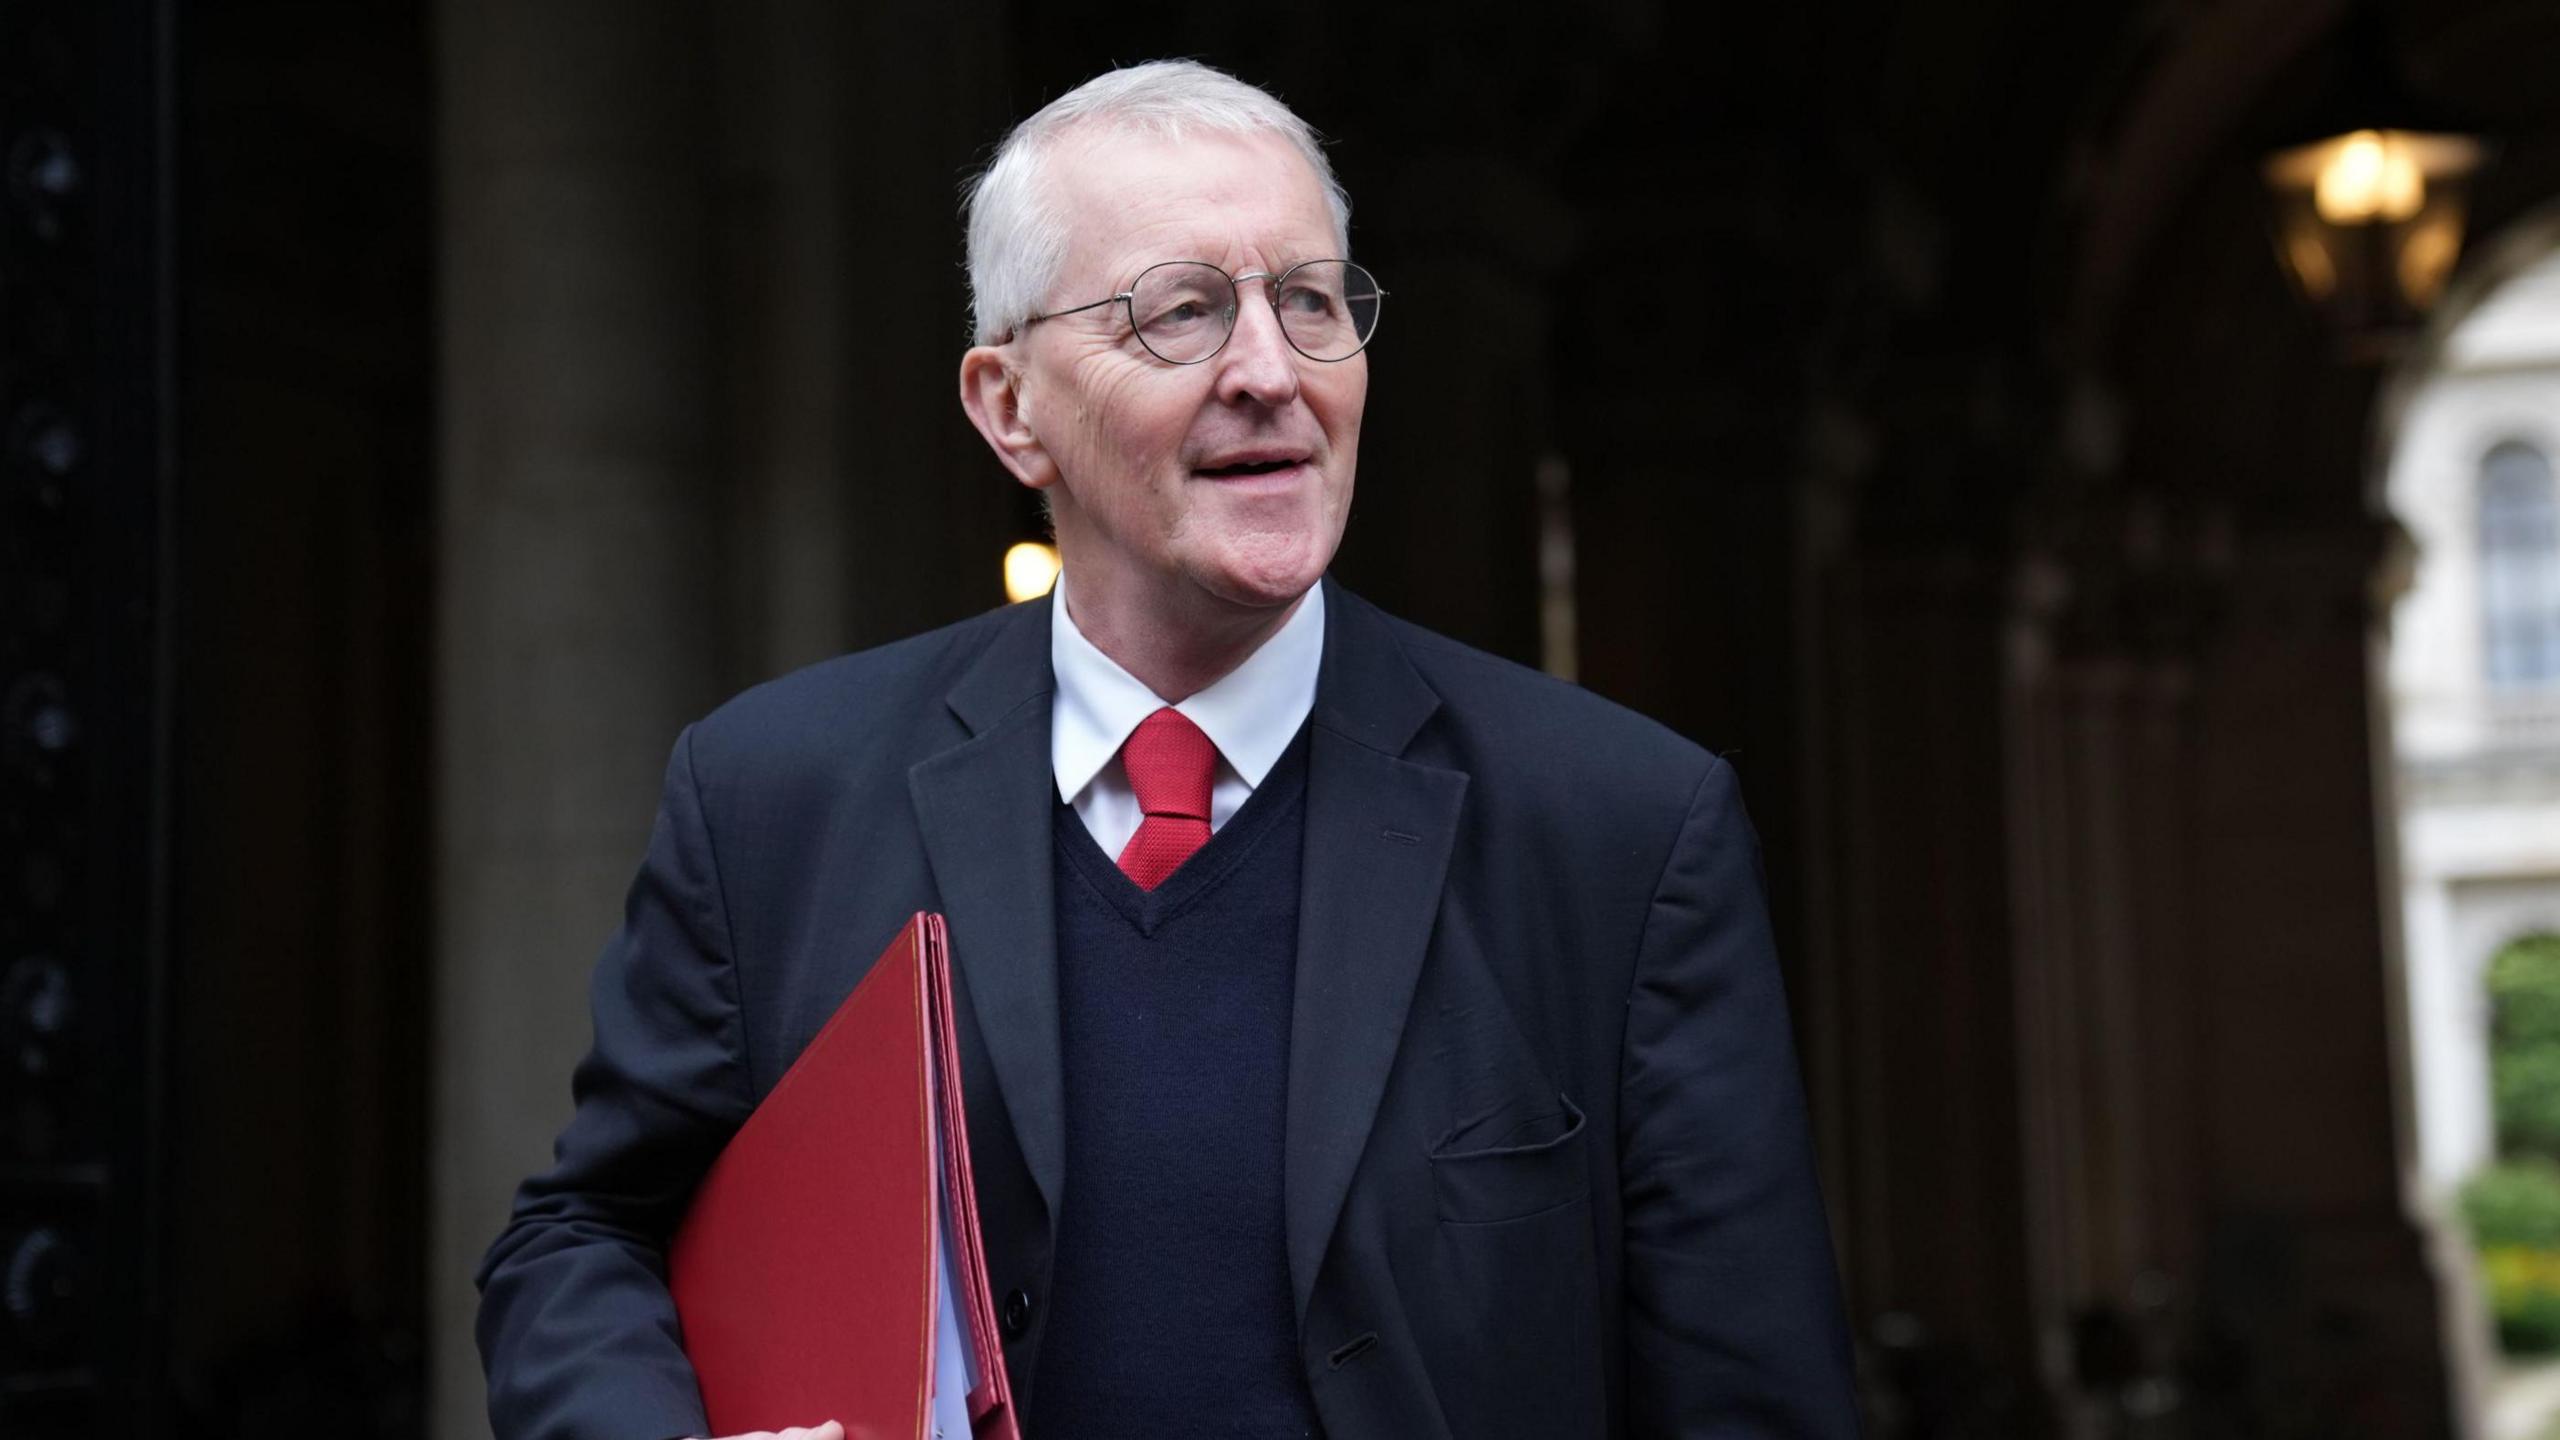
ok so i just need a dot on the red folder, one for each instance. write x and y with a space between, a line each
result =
808 1271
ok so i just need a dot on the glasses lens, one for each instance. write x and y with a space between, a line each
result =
1329 308
1183 310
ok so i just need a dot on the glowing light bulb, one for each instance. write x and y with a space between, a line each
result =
2371 176
1030 568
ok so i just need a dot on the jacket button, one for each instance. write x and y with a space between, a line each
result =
1017 1313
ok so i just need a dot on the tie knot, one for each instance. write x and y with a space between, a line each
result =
1171 763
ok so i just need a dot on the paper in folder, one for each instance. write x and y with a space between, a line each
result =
830 1267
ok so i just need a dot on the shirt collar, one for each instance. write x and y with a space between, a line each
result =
1251 713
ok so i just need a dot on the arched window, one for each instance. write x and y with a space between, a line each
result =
2520 566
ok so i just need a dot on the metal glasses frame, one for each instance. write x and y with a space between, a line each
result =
1127 300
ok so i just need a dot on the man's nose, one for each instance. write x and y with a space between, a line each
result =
1257 363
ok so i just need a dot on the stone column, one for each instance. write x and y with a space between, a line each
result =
578 610
862 506
784 326
2323 1298
2101 734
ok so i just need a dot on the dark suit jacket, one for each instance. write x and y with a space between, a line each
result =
1546 1156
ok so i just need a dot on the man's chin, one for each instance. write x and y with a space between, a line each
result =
1267 568
1263 592
1261 588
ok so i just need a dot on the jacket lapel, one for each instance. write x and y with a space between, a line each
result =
1378 834
984 808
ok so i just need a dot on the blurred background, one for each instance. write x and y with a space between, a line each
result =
2089 466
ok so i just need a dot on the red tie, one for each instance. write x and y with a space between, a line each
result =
1170 763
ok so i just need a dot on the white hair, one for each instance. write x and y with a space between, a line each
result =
1016 240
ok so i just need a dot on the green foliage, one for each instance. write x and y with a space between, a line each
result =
2514 1203
2524 1296
2525 1088
2524 1045
2524 984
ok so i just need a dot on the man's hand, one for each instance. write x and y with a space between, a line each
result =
829 1431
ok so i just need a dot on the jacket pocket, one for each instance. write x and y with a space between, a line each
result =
1512 1338
1505 1167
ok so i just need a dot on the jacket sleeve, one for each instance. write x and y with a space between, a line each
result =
576 1329
1733 1322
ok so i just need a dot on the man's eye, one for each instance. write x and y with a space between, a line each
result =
1178 314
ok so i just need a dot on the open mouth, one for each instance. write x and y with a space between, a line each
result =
1247 467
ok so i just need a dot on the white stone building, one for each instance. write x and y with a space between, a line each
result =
2475 691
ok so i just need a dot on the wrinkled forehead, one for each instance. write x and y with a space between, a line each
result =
1130 199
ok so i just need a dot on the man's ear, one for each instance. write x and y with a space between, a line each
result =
991 391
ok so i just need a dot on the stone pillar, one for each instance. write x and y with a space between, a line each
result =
2320 1301
1914 969
784 327
579 616
2101 738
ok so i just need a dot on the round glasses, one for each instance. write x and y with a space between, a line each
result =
1183 311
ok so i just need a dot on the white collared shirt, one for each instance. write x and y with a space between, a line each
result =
1251 714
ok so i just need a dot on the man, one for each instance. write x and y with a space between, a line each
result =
1361 1035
